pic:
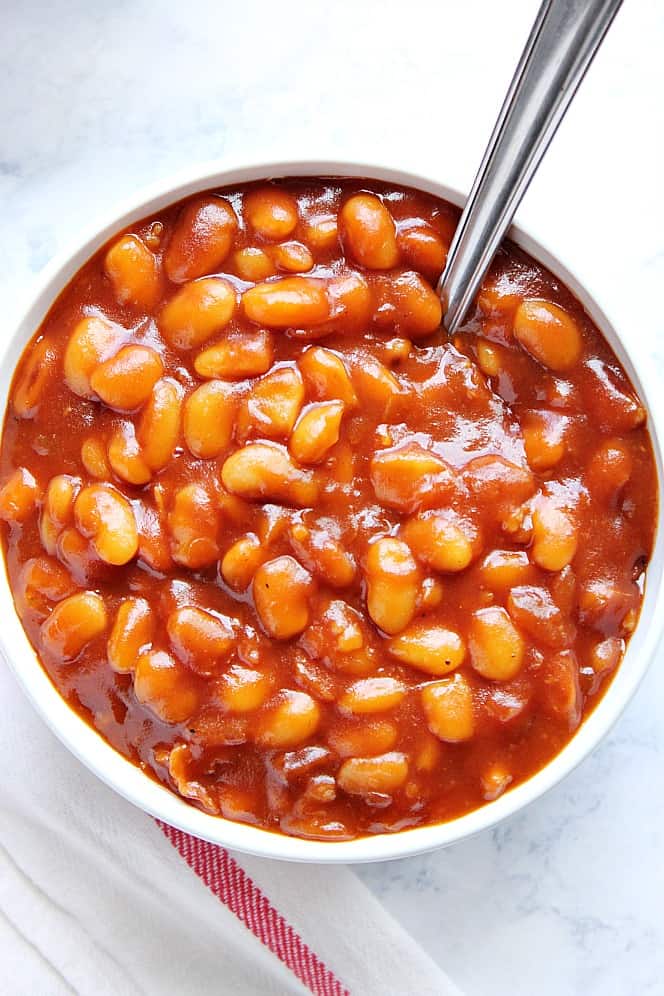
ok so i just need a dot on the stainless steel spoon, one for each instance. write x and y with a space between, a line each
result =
561 46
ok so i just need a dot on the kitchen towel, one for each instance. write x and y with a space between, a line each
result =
98 898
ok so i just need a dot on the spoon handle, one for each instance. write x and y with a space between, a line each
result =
561 46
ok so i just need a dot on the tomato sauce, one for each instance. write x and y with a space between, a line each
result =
294 552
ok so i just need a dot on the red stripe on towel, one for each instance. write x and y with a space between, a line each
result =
231 884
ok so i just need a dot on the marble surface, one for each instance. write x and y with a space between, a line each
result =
99 98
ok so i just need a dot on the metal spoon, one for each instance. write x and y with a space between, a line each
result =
561 46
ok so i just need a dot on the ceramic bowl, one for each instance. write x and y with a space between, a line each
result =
123 776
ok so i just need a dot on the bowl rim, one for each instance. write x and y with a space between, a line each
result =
125 777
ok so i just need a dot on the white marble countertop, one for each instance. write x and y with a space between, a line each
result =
98 98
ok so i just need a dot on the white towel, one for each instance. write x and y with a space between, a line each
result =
95 899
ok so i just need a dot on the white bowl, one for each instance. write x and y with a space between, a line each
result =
125 777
